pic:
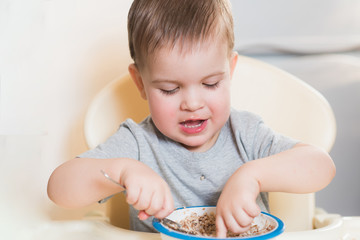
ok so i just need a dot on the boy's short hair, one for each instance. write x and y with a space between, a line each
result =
153 24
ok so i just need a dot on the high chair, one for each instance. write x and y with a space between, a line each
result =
287 104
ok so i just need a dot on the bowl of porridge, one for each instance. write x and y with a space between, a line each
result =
199 223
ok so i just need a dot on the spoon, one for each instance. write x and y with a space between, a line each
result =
168 222
176 226
111 179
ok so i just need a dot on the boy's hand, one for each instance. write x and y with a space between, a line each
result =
147 191
237 206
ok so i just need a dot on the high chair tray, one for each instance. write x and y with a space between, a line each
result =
337 228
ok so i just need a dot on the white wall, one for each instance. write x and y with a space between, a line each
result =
54 56
304 25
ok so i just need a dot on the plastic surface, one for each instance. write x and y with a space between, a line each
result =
334 227
287 104
116 102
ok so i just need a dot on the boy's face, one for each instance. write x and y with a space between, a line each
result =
188 92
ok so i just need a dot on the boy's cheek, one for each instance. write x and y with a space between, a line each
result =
161 107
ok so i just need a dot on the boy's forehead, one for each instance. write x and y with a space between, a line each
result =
184 48
181 57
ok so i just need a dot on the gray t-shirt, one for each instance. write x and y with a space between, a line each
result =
195 178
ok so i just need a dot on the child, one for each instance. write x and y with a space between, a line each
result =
193 149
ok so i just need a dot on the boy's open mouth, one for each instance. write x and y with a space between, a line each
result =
193 126
192 123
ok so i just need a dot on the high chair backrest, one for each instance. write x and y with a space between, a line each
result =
287 104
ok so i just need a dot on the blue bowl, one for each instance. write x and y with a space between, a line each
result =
263 220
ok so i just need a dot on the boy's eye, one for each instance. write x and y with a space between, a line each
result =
211 85
169 92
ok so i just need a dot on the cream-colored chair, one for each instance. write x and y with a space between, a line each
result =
287 104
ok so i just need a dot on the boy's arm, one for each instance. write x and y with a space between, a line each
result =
301 169
79 182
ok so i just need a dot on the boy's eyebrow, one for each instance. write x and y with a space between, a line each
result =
164 80
175 81
213 75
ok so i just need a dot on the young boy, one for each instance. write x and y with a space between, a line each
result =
193 149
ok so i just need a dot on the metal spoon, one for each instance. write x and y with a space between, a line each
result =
111 179
168 222
176 226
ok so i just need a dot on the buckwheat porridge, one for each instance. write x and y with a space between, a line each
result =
204 225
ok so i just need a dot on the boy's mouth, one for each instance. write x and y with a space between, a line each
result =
192 123
193 126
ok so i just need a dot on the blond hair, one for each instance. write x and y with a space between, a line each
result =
153 24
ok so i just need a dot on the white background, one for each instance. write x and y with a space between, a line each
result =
54 57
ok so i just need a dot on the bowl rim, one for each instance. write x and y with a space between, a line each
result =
173 233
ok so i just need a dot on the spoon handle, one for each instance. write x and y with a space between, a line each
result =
142 214
111 179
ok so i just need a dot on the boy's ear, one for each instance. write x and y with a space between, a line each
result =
136 77
233 61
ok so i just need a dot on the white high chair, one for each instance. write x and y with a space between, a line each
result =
287 104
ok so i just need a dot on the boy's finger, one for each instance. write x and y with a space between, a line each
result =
156 204
167 208
243 220
143 215
220 228
253 210
132 195
234 226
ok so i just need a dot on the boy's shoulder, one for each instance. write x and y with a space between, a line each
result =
244 122
145 127
244 117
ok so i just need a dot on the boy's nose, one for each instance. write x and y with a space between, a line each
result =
192 101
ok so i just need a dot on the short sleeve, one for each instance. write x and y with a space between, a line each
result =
255 139
122 144
267 142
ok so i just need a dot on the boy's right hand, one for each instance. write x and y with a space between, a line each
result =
146 191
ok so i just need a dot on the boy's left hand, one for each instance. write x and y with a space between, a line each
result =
237 206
